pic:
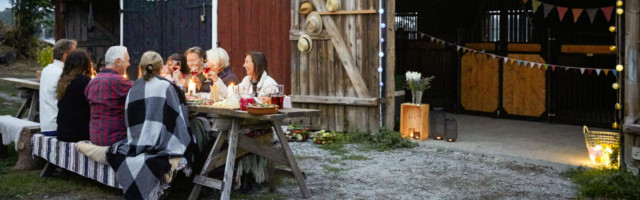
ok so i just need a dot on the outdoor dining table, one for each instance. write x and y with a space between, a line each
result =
29 92
235 141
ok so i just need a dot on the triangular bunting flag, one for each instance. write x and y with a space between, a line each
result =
505 60
607 11
576 13
581 70
437 40
464 49
561 12
526 63
592 13
525 1
457 48
469 50
606 72
589 71
598 71
512 61
539 65
432 39
547 9
535 4
443 42
546 67
493 56
531 66
553 68
615 73
520 62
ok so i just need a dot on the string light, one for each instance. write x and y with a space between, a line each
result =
619 3
615 86
612 29
619 11
380 54
618 106
619 68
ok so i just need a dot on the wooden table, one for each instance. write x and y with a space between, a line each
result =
284 156
31 102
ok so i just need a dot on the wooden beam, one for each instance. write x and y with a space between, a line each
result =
482 46
390 66
334 100
20 83
343 51
631 129
348 12
209 182
295 35
596 49
524 47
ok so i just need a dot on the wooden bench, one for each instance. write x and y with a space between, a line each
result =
22 140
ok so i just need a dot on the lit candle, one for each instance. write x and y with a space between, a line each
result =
231 91
124 75
93 76
191 88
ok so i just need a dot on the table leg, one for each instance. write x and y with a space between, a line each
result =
208 165
23 108
231 159
35 106
292 160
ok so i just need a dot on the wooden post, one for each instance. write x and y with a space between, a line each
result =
25 161
631 106
390 52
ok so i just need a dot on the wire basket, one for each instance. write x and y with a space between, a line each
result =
601 144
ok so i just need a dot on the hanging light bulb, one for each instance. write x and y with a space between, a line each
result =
612 29
619 3
614 125
619 68
612 48
618 106
619 11
615 86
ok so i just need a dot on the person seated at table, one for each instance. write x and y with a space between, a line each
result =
258 75
106 94
73 108
158 139
195 60
48 81
218 60
178 70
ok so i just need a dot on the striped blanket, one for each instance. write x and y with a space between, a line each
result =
65 155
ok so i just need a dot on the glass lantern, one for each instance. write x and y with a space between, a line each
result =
451 127
436 123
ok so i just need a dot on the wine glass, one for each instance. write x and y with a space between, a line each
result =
206 69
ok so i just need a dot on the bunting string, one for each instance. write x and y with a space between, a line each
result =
591 12
541 66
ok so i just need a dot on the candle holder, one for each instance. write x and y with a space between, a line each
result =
411 132
437 123
416 135
451 127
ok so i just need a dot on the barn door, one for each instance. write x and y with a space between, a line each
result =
166 27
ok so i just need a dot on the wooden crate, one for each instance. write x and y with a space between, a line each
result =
414 116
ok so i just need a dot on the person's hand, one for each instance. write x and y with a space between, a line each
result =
213 76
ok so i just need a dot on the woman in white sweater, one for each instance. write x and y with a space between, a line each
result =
258 78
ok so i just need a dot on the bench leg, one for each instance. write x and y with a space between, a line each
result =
25 160
3 149
48 170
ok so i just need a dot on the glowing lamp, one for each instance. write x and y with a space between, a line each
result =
619 11
615 86
612 48
619 68
612 29
619 3
618 106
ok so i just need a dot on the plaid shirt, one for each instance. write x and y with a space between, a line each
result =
106 95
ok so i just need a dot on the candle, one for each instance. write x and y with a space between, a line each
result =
231 90
124 75
191 88
411 132
93 76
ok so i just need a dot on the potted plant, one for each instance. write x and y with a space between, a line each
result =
417 84
45 57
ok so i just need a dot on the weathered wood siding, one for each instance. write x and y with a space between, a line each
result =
257 25
72 19
321 73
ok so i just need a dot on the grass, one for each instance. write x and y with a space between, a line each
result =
608 183
331 170
355 157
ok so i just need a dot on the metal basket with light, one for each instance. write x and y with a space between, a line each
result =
601 145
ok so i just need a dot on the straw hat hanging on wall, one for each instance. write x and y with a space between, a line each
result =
314 23
306 8
333 5
305 43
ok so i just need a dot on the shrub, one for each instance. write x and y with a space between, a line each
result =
45 56
605 182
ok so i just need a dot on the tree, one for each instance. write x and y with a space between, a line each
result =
29 15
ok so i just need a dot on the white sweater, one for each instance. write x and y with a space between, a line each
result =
266 85
48 102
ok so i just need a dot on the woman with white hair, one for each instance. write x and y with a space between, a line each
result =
218 60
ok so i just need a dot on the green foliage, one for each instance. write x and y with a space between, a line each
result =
383 140
609 183
45 56
29 15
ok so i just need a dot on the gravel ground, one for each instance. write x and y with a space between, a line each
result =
420 173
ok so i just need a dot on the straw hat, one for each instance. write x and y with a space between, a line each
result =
305 43
306 8
333 5
314 23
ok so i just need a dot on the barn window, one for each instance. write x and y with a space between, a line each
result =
519 27
407 22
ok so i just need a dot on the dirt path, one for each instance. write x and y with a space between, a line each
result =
422 173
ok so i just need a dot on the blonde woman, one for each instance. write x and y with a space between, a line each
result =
158 139
218 60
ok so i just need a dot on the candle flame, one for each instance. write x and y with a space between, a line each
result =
125 75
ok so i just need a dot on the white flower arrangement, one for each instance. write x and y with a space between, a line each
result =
416 82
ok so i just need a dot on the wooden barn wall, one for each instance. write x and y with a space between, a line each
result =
480 83
72 23
321 72
257 25
166 27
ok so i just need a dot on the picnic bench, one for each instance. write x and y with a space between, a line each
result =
28 90
235 141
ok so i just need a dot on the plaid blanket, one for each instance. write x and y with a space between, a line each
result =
65 155
157 130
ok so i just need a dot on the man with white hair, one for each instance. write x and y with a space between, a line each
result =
107 94
48 82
